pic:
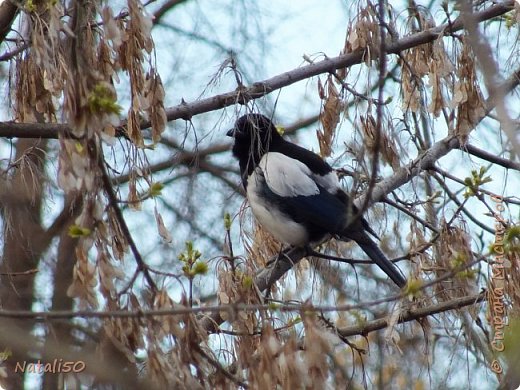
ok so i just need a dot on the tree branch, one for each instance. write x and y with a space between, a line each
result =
259 89
492 158
112 200
164 9
8 12
285 307
411 315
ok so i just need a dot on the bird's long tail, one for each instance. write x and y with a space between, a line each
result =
373 251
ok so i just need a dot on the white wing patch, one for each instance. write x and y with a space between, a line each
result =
329 181
286 176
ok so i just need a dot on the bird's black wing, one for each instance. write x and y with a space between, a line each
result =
293 188
327 214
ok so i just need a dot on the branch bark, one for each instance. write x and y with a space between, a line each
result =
363 330
259 89
8 12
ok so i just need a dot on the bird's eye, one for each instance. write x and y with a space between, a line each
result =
238 132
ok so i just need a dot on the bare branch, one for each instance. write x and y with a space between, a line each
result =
219 367
411 214
20 273
32 130
259 89
492 158
412 315
456 179
164 9
461 206
180 310
8 12
10 54
141 265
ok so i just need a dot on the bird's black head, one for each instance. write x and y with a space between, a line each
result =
254 136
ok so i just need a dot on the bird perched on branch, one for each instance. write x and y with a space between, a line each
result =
295 194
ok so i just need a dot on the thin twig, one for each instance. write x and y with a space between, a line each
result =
489 193
218 366
459 204
413 314
20 273
112 199
492 158
230 308
410 214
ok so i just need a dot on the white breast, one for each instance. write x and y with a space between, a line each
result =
270 217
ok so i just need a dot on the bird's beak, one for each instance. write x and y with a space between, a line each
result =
231 132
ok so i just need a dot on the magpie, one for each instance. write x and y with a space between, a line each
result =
295 195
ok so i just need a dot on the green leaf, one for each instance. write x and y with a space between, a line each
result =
227 221
247 282
512 233
296 320
413 287
467 274
200 268
76 231
102 100
156 189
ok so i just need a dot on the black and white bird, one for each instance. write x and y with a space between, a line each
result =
295 194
